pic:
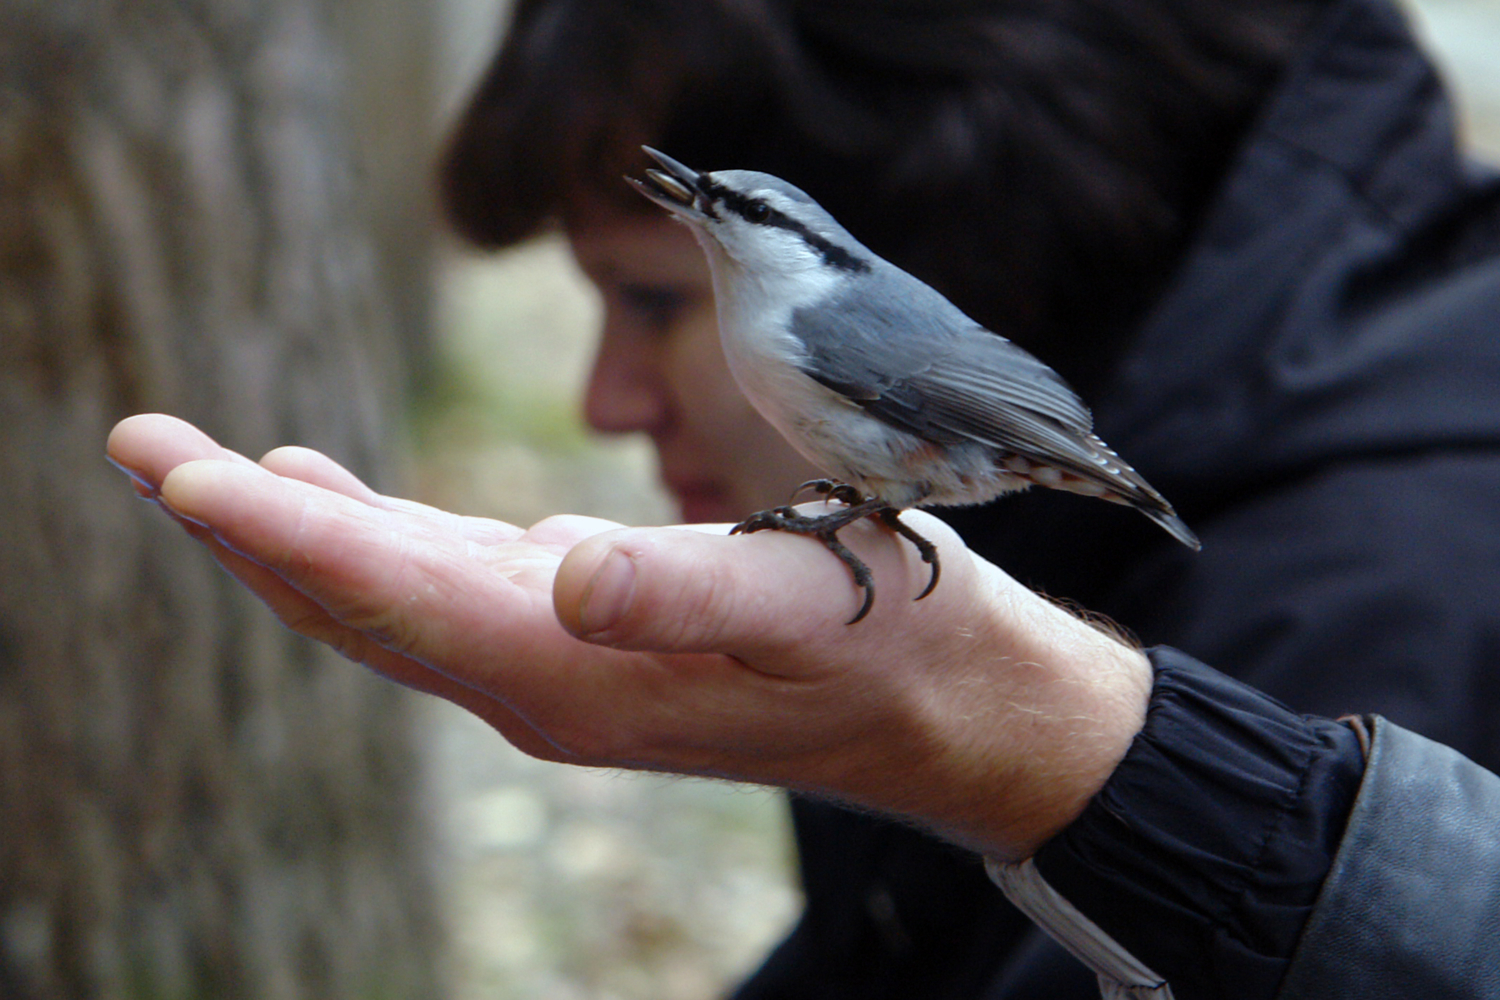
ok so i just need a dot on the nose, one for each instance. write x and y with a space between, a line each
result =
626 390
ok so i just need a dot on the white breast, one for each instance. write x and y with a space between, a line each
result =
765 359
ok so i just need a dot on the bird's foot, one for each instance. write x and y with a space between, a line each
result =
825 528
891 518
832 489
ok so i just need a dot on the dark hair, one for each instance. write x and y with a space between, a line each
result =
1041 162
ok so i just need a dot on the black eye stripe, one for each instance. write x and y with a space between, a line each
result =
742 206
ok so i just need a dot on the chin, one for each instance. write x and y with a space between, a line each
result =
709 509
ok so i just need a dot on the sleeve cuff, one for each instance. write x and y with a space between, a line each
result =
1202 857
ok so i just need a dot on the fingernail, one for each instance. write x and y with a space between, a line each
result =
608 595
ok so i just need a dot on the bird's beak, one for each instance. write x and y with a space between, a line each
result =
674 187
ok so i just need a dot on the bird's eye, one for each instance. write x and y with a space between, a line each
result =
757 211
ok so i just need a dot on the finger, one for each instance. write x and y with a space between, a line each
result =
408 585
148 446
381 572
564 531
317 469
305 615
326 545
245 556
314 467
670 590
302 615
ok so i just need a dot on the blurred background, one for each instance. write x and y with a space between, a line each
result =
224 210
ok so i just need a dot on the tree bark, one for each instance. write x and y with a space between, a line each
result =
193 802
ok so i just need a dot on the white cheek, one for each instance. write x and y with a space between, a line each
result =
754 324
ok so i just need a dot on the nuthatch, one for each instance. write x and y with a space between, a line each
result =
874 376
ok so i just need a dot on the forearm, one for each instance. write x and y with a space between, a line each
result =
1030 729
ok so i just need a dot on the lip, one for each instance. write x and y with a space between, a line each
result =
700 501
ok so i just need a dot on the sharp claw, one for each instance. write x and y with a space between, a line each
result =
865 608
862 575
821 486
892 519
937 571
825 528
832 489
775 519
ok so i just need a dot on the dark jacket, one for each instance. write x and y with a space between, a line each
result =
1411 906
1318 393
1245 850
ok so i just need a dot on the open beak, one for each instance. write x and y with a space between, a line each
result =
674 187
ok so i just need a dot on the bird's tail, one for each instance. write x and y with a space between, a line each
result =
1175 525
1122 484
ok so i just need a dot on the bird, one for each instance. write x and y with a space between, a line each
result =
875 377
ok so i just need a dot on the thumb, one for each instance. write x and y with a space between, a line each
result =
680 590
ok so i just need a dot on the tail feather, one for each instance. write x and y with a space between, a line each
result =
1122 484
1174 525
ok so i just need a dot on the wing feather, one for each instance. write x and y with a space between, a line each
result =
911 357
914 360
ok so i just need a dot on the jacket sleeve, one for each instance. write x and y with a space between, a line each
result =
1411 905
1203 855
1244 851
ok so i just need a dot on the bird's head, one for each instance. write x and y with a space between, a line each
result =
761 222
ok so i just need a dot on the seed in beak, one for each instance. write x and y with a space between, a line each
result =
672 186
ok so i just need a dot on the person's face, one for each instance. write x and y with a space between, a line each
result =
660 369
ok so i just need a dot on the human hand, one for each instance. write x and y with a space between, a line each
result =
983 711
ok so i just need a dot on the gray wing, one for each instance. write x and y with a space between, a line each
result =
912 359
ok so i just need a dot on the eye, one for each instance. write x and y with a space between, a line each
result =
757 211
657 306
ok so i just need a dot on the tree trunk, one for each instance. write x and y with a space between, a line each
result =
193 802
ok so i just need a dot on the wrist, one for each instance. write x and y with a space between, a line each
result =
1034 730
